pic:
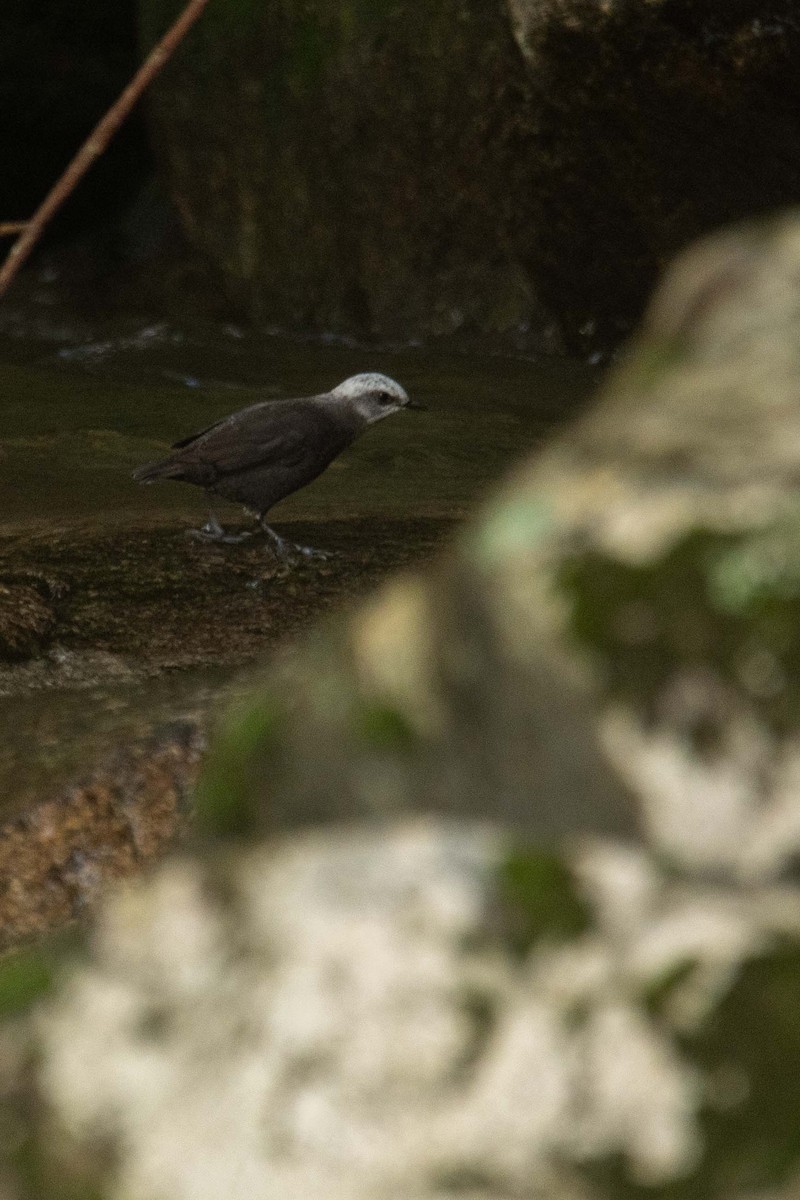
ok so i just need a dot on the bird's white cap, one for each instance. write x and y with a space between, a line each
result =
371 382
372 395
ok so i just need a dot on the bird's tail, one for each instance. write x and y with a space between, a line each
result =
150 472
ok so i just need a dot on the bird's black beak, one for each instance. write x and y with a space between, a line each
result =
415 404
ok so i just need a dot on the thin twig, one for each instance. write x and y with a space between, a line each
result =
97 141
9 227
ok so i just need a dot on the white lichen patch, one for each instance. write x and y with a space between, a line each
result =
334 1021
732 808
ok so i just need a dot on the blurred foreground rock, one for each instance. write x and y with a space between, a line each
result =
407 1013
416 1008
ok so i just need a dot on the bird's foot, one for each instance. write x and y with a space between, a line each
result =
212 531
291 553
312 552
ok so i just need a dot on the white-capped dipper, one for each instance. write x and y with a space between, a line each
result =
265 452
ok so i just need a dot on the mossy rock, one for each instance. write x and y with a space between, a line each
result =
360 168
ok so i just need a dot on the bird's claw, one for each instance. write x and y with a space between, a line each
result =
312 552
288 552
292 552
212 531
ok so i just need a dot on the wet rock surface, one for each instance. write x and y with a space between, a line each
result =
368 171
157 599
137 624
27 615
144 625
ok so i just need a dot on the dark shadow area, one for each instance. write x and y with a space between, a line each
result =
657 124
62 64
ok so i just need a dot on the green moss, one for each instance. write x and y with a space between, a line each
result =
724 604
510 527
481 1011
760 569
228 790
41 1172
539 900
660 990
467 1181
34 1165
748 1050
653 361
25 976
384 727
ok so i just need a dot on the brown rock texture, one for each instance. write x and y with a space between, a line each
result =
27 617
56 859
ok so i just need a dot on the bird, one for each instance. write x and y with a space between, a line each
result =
265 452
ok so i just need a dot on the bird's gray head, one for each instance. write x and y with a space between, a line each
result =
373 396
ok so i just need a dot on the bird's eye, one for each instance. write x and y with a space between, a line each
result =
384 397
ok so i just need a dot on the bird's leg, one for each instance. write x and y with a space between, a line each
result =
281 548
212 531
287 551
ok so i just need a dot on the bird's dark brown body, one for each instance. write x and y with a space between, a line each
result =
261 454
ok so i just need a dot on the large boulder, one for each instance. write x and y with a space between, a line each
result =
355 168
485 170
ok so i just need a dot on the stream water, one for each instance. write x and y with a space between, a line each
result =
79 415
156 620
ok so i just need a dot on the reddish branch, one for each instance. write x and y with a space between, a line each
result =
95 144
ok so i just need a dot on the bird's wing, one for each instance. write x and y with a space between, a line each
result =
283 431
235 419
192 437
